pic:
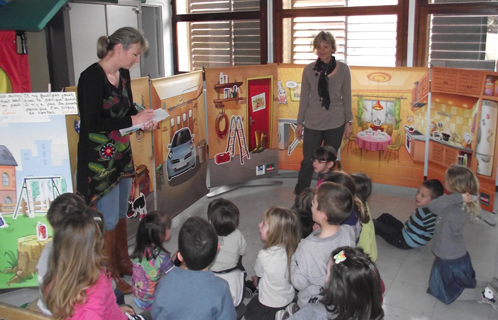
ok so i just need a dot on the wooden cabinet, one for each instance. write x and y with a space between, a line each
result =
423 88
446 155
444 80
466 82
417 150
469 82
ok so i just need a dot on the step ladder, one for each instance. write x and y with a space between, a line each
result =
236 133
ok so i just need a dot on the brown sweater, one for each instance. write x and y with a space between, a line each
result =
311 113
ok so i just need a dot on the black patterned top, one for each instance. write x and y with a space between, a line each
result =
104 157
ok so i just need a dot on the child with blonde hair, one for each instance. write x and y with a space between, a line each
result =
281 233
77 285
452 275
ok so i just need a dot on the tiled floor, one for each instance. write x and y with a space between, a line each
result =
405 273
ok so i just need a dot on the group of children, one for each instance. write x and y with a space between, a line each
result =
323 249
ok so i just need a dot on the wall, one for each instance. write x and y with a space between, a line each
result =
38 63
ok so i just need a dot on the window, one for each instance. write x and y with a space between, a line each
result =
5 179
367 32
457 34
8 200
385 115
361 40
229 35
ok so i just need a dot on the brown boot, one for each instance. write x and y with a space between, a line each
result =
256 140
123 262
109 244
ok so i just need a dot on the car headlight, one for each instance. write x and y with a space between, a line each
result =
170 154
191 145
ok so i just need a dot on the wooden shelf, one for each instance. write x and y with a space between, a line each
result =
227 85
226 100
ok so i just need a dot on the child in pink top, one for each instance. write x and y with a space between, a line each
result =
77 285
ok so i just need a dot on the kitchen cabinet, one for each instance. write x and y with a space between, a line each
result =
417 150
444 80
465 82
469 82
446 155
423 88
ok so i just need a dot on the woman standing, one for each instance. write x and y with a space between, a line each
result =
105 163
325 106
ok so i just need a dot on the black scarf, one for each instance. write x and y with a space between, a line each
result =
323 70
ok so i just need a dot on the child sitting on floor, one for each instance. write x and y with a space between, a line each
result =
367 236
281 233
332 204
419 228
77 285
59 208
224 217
359 215
151 261
324 162
352 289
191 291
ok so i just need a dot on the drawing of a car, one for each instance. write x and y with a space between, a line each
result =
182 155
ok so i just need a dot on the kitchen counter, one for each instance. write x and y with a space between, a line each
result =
453 144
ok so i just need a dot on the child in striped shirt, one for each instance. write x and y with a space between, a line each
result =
419 229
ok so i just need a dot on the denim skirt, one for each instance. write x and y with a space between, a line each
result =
450 276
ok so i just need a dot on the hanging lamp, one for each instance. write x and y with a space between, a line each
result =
378 106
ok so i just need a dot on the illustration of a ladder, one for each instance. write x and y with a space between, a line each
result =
236 131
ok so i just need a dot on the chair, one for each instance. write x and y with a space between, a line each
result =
398 141
389 130
364 126
351 139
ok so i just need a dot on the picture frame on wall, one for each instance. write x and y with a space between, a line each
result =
295 93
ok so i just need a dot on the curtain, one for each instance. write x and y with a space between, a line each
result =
397 113
14 67
360 110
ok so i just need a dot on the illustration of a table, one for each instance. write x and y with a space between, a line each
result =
373 141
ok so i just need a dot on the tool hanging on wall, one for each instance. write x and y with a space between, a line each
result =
221 117
294 143
236 133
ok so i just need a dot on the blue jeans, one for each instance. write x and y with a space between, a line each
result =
114 205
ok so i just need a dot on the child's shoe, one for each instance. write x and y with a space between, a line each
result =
292 308
488 296
249 290
282 315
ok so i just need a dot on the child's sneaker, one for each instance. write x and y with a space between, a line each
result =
282 315
292 308
489 297
249 290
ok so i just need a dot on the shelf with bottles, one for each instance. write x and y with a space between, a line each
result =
464 158
491 87
228 91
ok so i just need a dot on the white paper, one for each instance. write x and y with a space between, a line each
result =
38 104
159 115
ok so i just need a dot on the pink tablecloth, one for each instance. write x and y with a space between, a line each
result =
371 143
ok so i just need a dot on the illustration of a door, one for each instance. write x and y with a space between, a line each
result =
259 111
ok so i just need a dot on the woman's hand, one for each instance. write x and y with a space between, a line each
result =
149 125
142 117
348 130
299 131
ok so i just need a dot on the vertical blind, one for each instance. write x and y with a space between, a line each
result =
361 40
224 43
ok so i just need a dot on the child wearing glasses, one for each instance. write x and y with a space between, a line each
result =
324 162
